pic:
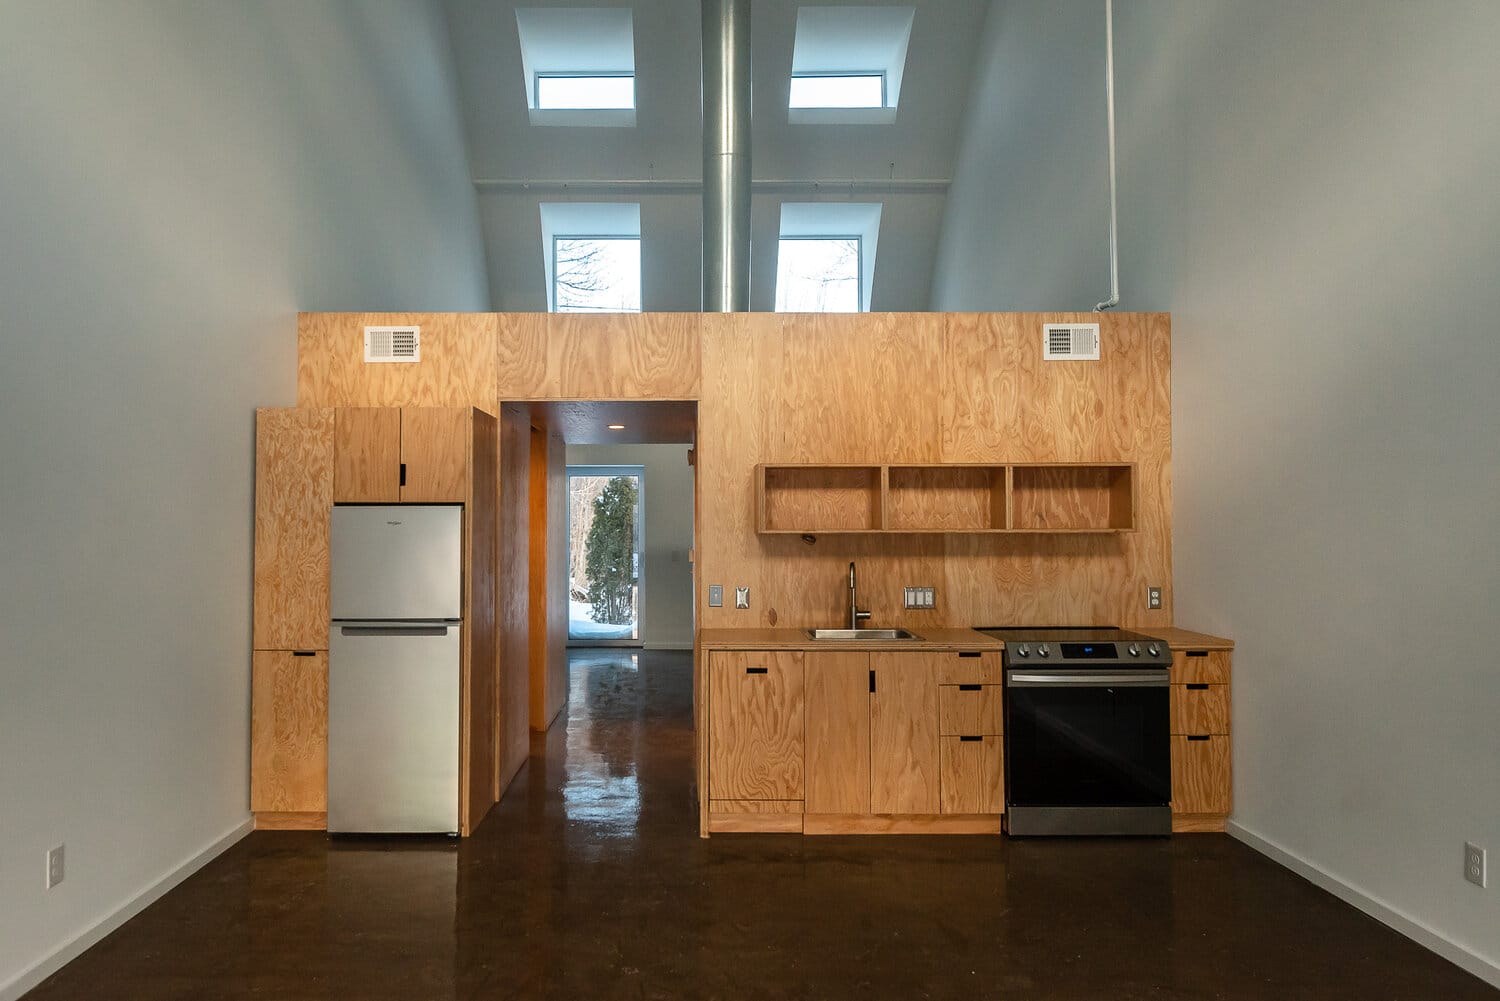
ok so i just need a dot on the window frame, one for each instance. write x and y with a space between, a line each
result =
539 75
841 75
859 262
598 237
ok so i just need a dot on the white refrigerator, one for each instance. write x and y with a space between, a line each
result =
394 664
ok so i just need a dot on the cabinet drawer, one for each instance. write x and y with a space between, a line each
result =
289 731
1200 666
968 669
1200 708
755 726
973 774
1200 774
970 709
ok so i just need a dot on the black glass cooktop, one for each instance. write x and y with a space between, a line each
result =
1064 634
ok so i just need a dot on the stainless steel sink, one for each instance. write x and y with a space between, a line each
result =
861 634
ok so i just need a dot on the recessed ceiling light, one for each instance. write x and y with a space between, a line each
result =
616 427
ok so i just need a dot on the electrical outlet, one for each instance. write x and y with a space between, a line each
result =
1474 868
56 866
1153 597
716 596
742 597
919 597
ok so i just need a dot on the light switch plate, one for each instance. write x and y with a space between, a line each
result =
742 597
919 597
716 596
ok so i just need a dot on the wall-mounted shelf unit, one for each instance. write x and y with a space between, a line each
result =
946 498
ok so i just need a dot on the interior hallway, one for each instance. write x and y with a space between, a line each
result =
589 881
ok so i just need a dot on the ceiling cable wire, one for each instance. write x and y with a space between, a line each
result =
1109 93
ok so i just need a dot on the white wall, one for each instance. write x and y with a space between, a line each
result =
667 613
1311 190
177 180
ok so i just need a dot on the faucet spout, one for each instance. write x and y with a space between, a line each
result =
856 614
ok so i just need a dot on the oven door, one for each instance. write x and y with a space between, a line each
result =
1087 737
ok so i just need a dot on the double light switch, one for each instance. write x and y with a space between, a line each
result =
921 597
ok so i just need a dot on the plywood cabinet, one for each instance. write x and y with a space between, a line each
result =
973 774
838 732
289 731
1200 774
411 455
756 729
904 733
294 453
1202 767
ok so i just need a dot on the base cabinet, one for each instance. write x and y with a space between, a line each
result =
756 728
1202 769
973 774
289 732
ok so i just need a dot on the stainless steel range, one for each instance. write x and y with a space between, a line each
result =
1087 722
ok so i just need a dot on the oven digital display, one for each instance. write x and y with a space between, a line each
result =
1088 651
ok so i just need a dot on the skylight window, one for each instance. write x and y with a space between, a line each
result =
819 90
579 64
825 259
557 91
591 253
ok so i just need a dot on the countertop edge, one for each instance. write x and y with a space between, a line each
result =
934 640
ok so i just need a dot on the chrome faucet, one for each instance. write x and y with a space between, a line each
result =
855 612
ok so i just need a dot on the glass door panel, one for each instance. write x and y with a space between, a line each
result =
606 528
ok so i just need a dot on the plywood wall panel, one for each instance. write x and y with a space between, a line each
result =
513 590
481 725
457 367
294 455
522 371
616 356
549 546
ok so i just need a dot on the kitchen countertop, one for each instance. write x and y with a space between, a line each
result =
932 639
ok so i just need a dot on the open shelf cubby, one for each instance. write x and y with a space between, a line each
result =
950 498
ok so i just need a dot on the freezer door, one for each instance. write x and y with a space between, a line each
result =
393 714
397 562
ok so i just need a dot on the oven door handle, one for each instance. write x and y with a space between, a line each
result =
1088 679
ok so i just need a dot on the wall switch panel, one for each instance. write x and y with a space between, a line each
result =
716 596
56 866
1474 867
742 597
919 597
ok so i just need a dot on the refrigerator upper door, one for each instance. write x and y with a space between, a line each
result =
397 562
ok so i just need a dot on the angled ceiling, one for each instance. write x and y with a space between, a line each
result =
517 165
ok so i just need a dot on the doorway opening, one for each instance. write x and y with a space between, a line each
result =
606 549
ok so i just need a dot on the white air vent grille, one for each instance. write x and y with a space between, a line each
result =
394 344
1070 342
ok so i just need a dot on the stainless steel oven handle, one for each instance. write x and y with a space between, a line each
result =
1092 679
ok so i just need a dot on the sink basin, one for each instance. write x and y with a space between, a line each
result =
861 634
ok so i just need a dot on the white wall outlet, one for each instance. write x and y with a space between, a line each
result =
1474 867
742 597
919 597
1153 597
56 866
716 596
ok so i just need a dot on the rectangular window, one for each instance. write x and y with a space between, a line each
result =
606 537
826 90
570 92
818 274
596 274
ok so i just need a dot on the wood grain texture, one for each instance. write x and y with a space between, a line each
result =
986 669
819 498
904 733
933 640
1072 498
540 571
480 736
436 450
1200 710
755 823
291 821
886 824
614 356
513 591
1199 666
289 732
755 726
756 806
457 367
965 710
946 498
1198 823
293 502
367 455
1201 776
838 732
973 775
1186 639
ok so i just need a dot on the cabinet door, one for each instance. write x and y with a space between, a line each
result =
838 732
1200 774
973 774
367 455
435 451
755 725
293 498
904 733
289 732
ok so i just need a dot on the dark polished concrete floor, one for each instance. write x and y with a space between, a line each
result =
589 881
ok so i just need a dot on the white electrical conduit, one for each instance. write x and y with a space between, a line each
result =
1109 92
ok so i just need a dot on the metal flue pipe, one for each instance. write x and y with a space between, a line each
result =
726 156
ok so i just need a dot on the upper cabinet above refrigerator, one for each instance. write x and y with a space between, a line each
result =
408 455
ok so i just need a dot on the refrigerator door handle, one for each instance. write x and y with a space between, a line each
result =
395 629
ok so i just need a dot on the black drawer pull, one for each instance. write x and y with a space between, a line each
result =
1199 737
1197 686
969 688
403 474
757 670
969 653
304 653
968 739
1197 653
872 680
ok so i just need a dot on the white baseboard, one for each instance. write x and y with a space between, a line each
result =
48 965
1373 906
